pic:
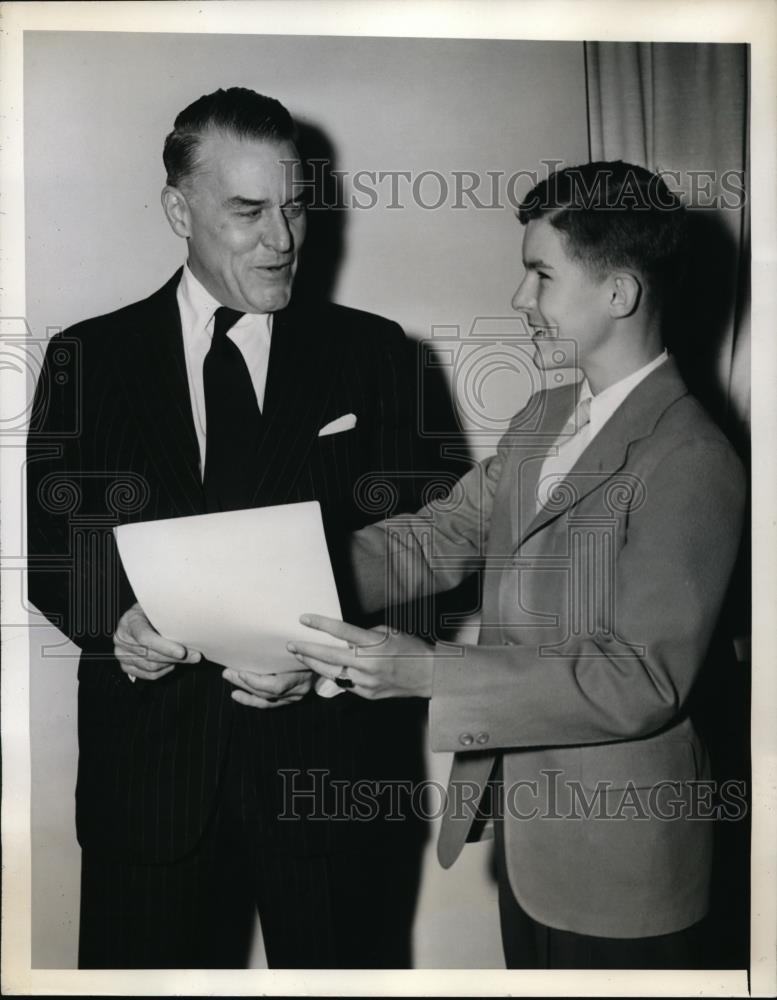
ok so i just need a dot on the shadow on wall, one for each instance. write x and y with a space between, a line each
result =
443 455
325 239
698 322
702 314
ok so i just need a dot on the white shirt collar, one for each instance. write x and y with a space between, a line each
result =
608 400
198 305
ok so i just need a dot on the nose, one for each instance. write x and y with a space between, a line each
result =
525 297
277 235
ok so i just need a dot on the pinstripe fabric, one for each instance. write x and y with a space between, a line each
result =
336 910
151 754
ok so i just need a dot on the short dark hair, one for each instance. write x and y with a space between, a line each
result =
614 214
237 111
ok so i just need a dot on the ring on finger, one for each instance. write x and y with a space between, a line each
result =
343 680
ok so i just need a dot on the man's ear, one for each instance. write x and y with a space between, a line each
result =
176 210
625 294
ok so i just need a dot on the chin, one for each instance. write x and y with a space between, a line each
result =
542 360
270 301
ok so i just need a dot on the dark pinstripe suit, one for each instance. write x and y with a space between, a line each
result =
112 440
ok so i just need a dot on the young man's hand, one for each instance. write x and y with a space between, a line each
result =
376 664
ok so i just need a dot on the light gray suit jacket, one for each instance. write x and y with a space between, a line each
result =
597 615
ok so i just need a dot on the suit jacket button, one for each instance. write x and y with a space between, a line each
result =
482 738
466 739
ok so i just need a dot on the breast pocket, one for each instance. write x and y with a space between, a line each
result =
335 464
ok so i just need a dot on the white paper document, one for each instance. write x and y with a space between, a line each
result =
233 585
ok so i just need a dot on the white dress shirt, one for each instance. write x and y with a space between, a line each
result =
251 334
579 432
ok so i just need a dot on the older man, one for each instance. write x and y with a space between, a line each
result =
210 395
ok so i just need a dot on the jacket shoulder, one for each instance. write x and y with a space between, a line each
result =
688 446
358 323
687 424
98 329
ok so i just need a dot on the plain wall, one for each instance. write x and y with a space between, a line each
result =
97 108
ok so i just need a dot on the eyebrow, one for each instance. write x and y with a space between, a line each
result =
238 201
534 264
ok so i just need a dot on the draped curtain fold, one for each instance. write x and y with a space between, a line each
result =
683 109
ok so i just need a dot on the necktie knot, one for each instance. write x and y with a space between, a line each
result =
583 412
224 319
580 417
552 491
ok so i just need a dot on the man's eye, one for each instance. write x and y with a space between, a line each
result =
252 213
542 276
293 210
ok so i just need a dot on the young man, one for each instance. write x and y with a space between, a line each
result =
608 524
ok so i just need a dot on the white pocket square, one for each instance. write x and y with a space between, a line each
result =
344 423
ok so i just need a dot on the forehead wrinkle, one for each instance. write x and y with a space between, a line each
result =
219 175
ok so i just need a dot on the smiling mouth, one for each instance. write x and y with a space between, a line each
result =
543 333
275 268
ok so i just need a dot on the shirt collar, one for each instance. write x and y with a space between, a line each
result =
197 302
605 403
198 305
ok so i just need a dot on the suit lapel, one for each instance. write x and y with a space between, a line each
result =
470 771
530 451
304 358
151 364
515 498
635 418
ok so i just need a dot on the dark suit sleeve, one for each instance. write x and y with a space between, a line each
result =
431 551
398 463
73 574
404 466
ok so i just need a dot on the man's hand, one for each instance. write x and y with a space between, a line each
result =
269 690
143 652
378 663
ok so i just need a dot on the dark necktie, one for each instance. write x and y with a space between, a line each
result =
232 418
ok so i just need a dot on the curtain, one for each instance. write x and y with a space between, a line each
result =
682 109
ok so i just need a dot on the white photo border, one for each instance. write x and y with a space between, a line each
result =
750 21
